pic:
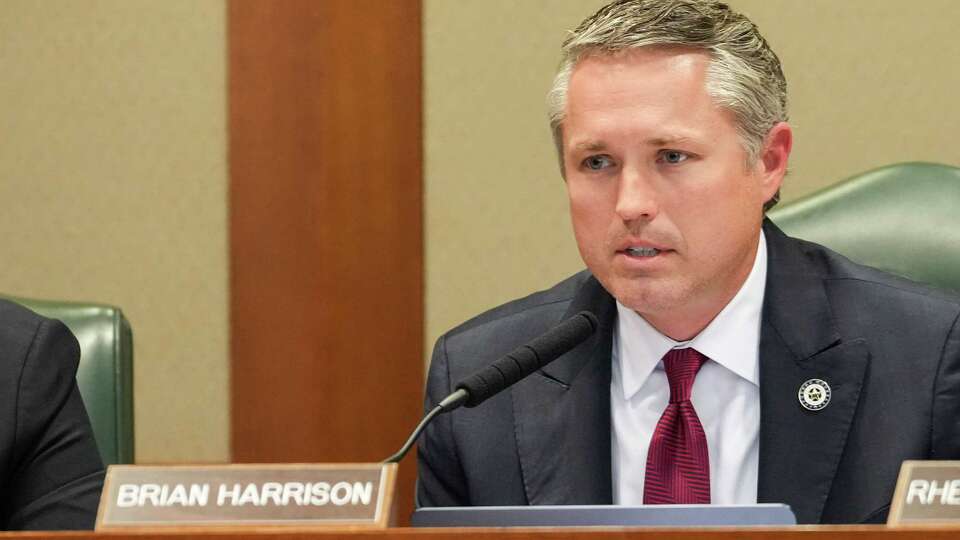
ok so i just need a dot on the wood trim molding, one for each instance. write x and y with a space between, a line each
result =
326 239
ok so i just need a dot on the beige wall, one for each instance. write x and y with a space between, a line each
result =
871 82
113 188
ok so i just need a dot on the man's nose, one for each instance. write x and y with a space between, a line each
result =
636 197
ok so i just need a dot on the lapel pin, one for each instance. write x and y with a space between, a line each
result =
814 394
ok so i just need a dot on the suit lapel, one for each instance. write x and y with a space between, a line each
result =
563 415
800 449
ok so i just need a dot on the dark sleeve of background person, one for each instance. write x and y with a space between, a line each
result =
51 473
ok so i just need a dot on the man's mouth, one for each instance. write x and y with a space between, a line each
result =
642 251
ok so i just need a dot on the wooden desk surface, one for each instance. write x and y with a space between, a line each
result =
802 532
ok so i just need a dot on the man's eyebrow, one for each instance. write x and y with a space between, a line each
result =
590 146
667 140
662 140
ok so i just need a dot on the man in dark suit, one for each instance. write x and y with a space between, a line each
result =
733 365
51 473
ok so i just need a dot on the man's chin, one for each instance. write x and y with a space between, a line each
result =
650 299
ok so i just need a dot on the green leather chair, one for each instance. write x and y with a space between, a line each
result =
105 375
903 218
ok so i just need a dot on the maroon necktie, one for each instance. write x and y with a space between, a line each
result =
678 466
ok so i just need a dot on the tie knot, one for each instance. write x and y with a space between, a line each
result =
682 366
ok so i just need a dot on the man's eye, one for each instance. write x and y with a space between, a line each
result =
596 163
673 156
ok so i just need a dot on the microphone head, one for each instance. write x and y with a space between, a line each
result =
529 358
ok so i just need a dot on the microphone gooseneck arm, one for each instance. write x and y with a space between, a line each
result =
451 402
506 371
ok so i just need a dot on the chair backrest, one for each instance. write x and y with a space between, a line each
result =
105 375
903 218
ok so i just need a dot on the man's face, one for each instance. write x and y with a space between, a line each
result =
665 211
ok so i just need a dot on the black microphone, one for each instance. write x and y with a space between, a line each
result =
523 361
528 358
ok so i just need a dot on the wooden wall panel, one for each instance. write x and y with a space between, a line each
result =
326 254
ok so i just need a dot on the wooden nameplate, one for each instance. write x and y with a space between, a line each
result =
326 494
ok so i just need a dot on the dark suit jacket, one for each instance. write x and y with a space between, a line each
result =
888 347
50 469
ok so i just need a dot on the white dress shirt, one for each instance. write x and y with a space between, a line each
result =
726 394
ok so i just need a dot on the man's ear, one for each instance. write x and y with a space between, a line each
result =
774 157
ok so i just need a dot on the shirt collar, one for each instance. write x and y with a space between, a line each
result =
732 339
